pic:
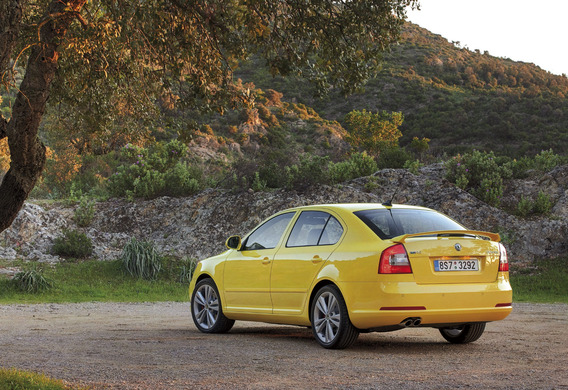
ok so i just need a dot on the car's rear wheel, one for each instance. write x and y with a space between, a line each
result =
330 320
464 333
206 308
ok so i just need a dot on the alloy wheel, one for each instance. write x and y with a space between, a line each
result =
327 317
206 306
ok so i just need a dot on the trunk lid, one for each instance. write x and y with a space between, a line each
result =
464 256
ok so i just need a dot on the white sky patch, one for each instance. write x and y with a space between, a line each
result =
522 30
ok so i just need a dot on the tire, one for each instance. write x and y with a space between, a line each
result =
206 309
463 334
330 320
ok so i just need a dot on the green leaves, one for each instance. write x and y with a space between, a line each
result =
141 259
373 132
31 280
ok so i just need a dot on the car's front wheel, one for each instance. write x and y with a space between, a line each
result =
330 320
206 308
464 333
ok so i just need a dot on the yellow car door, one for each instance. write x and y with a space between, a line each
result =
314 237
247 271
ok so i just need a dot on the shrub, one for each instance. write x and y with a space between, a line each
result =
524 207
156 171
258 184
480 174
546 160
310 170
73 244
85 212
141 259
542 205
31 281
358 165
413 166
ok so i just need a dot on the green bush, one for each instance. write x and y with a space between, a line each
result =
524 207
156 171
413 166
309 171
546 160
542 204
73 244
358 165
141 259
85 212
258 184
479 173
31 281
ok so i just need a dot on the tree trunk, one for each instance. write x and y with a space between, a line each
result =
26 150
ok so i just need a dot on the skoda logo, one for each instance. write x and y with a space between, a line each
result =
458 247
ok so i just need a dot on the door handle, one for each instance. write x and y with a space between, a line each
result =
316 259
266 260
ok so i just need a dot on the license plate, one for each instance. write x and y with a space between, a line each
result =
456 265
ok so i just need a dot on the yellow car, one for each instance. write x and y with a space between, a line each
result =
343 269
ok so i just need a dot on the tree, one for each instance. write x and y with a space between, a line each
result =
373 132
83 54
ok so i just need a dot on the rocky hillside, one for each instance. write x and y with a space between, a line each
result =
197 227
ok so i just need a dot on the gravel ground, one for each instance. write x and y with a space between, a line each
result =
156 346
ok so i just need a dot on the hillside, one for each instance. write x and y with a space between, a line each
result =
458 98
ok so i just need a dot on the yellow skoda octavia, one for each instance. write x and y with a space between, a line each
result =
343 269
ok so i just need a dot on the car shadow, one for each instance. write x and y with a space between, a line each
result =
425 339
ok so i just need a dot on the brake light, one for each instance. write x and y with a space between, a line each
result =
503 260
394 260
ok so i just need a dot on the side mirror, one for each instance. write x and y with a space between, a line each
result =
233 242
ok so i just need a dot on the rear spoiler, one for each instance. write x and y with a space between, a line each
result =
450 233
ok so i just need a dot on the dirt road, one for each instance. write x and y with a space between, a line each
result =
156 346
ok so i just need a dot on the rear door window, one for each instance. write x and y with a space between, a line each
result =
315 228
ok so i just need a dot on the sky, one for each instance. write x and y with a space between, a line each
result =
523 30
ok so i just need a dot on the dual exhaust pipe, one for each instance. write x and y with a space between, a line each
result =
410 322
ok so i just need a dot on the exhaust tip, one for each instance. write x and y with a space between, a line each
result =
411 321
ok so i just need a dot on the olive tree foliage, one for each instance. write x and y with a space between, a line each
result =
97 60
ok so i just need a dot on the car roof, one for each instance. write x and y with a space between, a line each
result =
352 207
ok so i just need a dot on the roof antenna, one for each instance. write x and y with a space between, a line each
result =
388 203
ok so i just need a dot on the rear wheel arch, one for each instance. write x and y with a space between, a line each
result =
315 290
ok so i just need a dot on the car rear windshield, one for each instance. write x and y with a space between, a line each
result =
389 223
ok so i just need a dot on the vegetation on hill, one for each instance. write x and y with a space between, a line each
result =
460 99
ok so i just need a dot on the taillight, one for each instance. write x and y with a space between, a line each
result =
394 260
503 260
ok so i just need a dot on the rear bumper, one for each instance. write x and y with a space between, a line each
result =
386 303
